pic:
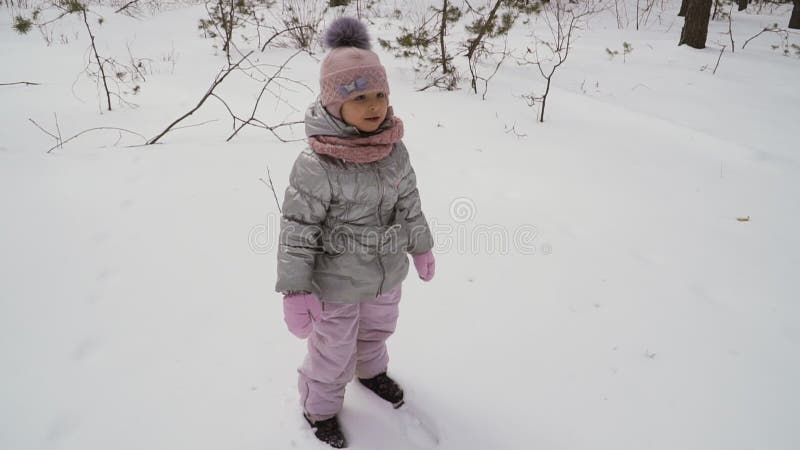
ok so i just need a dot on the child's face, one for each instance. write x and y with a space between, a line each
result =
366 112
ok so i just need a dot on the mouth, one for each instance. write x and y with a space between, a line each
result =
372 119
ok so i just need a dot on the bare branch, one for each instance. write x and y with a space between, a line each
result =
730 29
126 6
26 83
718 60
477 43
195 125
486 80
137 67
271 186
60 144
44 24
235 118
285 30
562 19
272 128
217 81
780 31
58 129
513 129
97 58
43 130
261 94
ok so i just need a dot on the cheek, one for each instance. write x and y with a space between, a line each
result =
350 111
359 110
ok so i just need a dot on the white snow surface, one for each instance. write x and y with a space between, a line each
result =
630 308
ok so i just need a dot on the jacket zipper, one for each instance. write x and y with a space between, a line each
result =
380 222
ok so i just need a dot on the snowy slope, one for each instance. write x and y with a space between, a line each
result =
621 305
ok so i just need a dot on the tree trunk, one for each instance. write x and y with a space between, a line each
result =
544 97
442 33
684 6
742 4
794 21
695 29
473 46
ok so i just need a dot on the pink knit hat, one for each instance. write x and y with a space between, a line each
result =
350 68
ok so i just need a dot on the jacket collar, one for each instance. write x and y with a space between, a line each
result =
319 122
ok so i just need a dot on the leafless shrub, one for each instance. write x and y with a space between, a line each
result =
562 19
303 20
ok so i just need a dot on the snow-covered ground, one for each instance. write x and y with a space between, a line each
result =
623 305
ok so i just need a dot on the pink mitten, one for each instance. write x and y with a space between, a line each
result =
425 265
299 312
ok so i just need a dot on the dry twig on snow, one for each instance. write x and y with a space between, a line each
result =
26 83
60 141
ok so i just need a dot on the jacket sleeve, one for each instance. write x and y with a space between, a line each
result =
305 206
409 209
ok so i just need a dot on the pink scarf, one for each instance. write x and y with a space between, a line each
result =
365 149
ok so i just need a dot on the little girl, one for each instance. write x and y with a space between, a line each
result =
351 215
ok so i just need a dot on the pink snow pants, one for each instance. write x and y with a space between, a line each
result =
348 339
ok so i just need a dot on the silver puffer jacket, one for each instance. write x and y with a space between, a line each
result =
346 227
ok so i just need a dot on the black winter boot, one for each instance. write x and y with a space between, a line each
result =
385 387
328 431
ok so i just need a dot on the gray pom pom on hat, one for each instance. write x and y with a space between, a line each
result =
347 32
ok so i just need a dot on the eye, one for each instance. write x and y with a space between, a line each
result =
381 95
360 98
